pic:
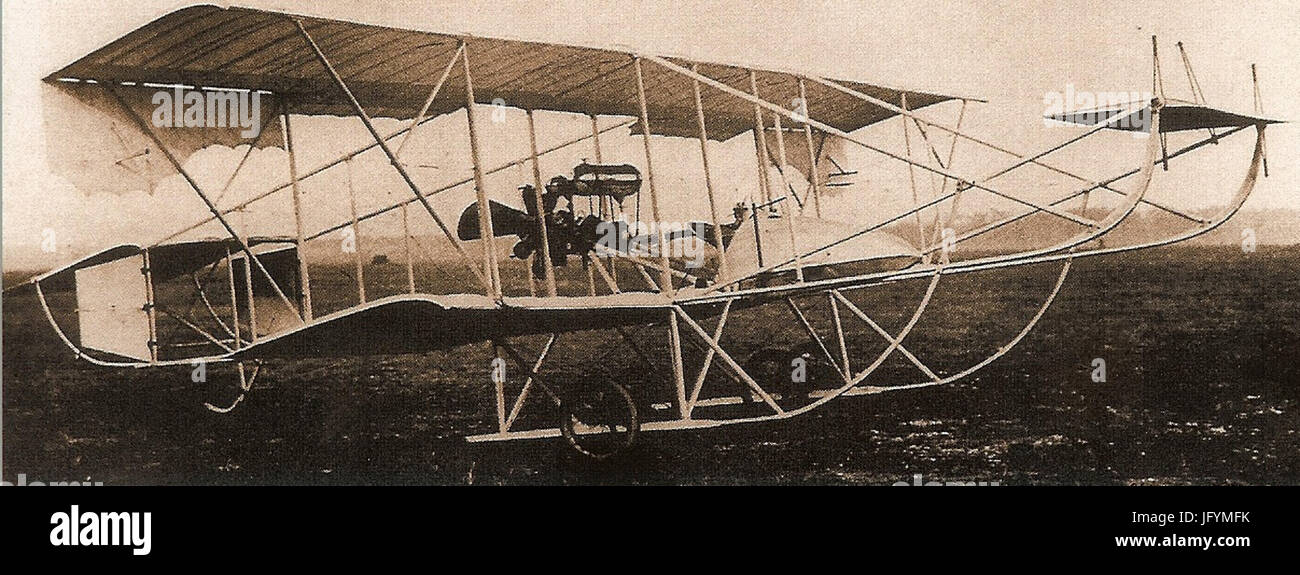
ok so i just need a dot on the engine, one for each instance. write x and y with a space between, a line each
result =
567 233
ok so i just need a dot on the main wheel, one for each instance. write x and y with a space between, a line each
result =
599 420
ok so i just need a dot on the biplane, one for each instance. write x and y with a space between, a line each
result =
775 231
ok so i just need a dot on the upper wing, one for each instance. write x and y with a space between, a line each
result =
392 70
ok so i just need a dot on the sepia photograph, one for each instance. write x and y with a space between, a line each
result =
367 243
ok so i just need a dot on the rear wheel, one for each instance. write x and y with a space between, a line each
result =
599 420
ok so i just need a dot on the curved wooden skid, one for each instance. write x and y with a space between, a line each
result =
1117 215
1243 192
1233 206
1001 351
1231 209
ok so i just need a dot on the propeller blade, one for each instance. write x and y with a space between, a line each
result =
506 221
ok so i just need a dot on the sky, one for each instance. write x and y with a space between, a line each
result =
1009 53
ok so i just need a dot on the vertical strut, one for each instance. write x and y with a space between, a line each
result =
500 382
839 333
357 256
708 178
591 275
786 208
234 301
911 169
486 231
149 306
542 215
760 145
406 245
679 377
304 280
1259 109
252 306
1157 76
1158 87
666 271
812 150
943 185
606 202
532 281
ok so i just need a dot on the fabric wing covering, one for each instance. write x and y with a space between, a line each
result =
391 71
96 145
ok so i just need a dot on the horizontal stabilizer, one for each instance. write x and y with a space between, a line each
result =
168 261
1173 118
116 288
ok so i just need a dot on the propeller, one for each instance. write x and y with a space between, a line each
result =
506 221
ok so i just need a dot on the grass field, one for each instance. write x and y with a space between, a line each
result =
1202 387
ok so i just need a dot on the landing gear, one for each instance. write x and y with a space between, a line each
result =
599 419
